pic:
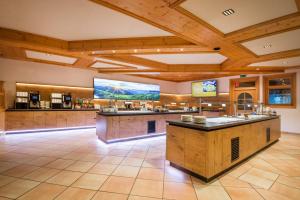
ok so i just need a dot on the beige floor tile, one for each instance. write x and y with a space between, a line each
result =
64 178
136 162
17 188
91 158
154 163
20 170
126 171
115 160
148 188
80 166
41 174
110 196
259 178
90 181
289 181
60 164
117 184
286 191
7 165
3 198
141 198
268 195
211 192
151 173
44 191
4 180
174 175
243 193
76 194
100 168
230 181
240 170
179 191
43 160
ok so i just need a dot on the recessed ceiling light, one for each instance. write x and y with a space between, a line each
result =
181 49
284 62
257 69
228 12
135 50
268 46
158 50
93 52
113 51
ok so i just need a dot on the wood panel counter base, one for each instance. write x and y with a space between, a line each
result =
207 180
210 153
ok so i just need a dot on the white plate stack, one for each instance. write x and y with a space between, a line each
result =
200 119
186 118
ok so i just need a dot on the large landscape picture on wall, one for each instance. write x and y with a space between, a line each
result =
122 90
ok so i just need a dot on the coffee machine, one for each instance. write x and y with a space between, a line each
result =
21 100
34 100
67 101
56 100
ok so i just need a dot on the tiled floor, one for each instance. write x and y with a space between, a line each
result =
75 165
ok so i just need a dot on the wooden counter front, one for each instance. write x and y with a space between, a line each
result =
30 120
207 154
112 128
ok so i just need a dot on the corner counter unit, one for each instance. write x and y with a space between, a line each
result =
208 150
48 119
122 126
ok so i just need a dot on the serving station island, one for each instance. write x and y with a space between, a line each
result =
210 149
127 125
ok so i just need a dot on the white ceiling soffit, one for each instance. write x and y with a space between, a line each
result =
99 65
285 62
275 43
72 20
50 57
201 58
246 12
122 63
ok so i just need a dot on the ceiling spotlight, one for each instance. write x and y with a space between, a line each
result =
257 69
181 49
113 51
158 50
268 46
284 62
93 52
228 12
135 50
217 48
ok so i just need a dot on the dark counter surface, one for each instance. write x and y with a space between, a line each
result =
211 126
132 113
29 110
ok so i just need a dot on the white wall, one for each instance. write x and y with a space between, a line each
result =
12 71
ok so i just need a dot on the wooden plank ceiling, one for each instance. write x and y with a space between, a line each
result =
191 35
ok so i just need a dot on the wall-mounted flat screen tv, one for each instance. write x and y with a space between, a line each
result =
123 90
206 88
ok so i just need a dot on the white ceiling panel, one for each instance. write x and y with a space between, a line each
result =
285 62
200 58
122 63
105 65
50 57
246 12
275 43
72 20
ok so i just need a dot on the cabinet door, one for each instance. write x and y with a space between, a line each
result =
90 118
39 119
175 145
50 119
61 119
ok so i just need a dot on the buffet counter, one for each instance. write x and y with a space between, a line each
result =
122 126
28 120
210 149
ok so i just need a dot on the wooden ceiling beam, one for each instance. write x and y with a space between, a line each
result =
131 44
278 25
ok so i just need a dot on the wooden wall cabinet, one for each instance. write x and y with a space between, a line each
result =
280 90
